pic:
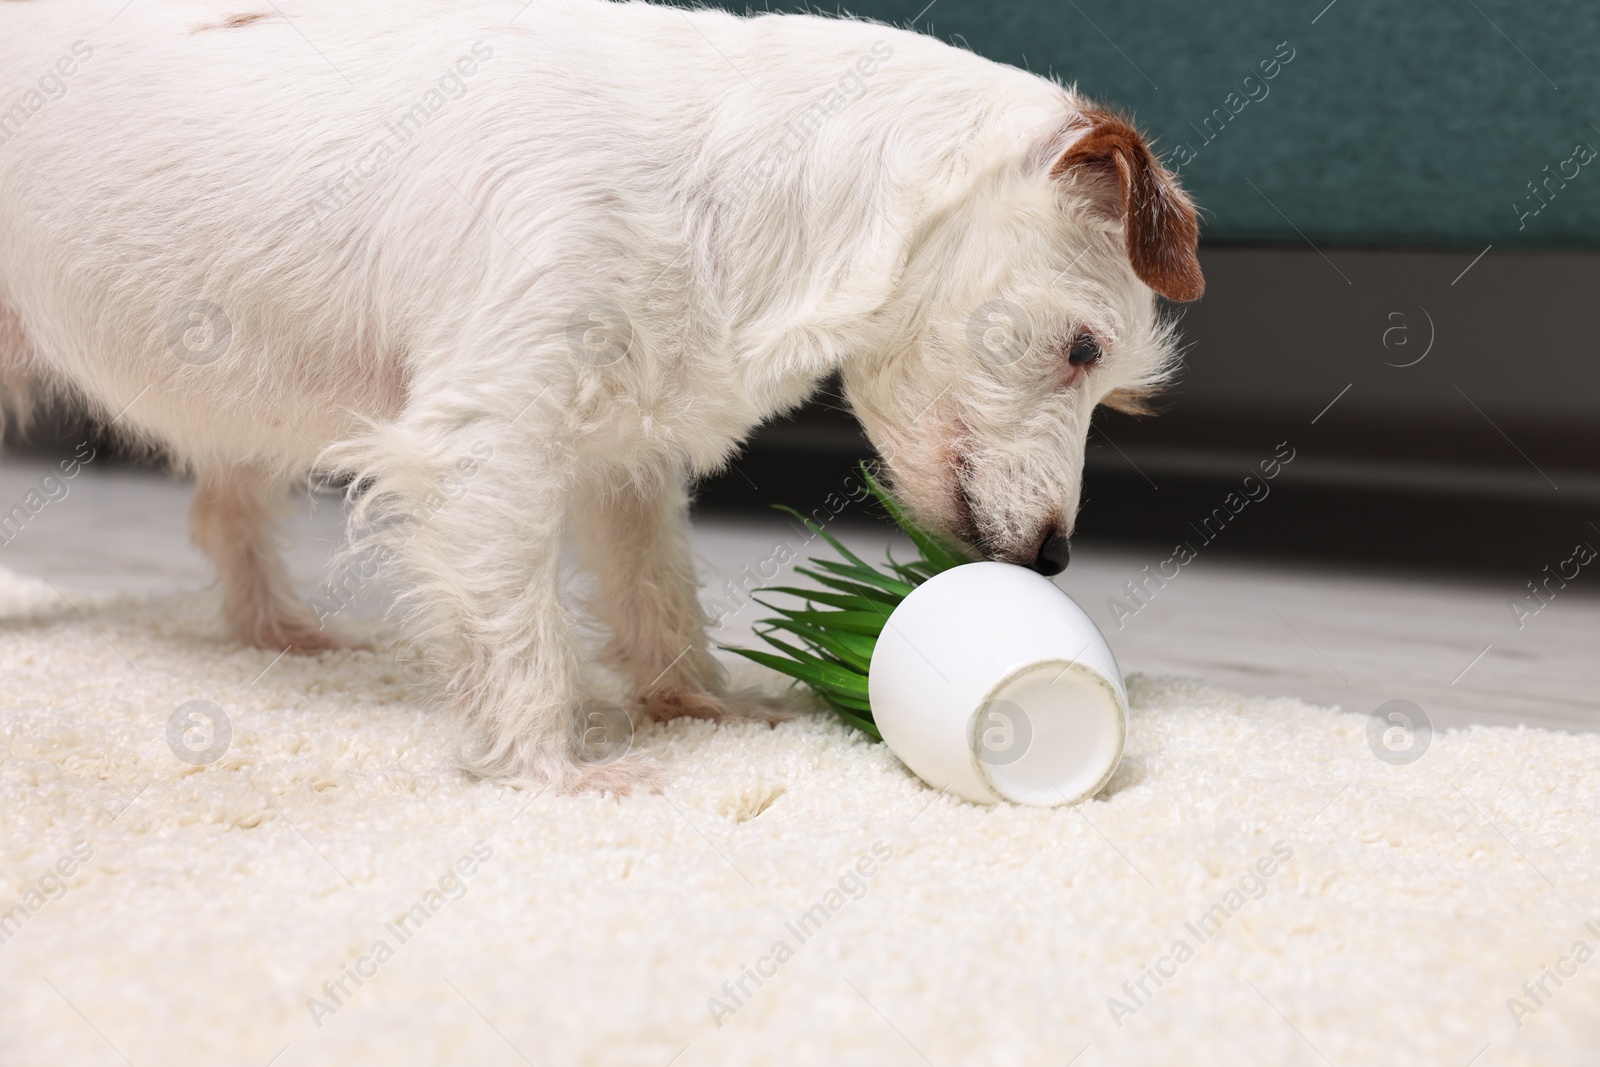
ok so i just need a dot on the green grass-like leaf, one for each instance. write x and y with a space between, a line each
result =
935 550
851 588
851 650
832 600
863 723
834 650
866 623
869 578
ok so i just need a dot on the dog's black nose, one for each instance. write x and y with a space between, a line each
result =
1054 555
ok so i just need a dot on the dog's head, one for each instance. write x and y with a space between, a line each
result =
1023 306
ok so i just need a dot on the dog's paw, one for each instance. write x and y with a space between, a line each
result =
671 702
601 760
632 773
300 638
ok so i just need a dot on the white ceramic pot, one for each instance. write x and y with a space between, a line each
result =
989 681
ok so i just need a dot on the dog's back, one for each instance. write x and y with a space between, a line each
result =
184 176
342 188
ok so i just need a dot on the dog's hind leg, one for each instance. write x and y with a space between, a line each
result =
635 541
232 520
16 384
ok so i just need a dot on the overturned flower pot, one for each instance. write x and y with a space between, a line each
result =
984 678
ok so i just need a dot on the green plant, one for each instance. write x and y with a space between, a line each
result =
839 624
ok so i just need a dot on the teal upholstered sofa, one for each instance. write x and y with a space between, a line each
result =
1388 122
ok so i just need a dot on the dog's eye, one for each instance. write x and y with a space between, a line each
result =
1085 351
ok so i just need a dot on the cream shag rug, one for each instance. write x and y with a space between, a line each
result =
1254 886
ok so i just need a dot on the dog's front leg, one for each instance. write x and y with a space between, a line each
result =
635 541
476 518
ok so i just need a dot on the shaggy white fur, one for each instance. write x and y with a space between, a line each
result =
519 269
1404 905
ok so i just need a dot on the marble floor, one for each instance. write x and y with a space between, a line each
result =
1349 637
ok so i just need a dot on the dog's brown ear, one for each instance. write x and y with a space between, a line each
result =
1158 217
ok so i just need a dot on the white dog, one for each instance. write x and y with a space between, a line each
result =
563 257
